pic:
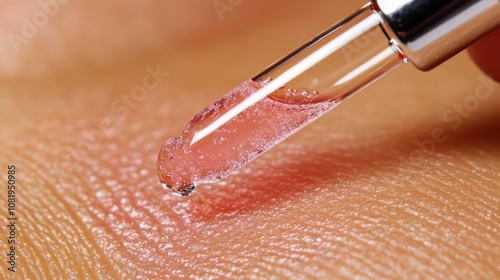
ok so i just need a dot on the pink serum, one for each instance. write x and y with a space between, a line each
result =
188 160
308 82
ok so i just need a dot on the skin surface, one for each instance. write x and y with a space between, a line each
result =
353 195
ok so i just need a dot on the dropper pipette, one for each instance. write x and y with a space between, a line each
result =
308 82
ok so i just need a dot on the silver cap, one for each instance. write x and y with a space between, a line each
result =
431 31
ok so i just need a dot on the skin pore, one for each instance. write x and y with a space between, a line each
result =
399 181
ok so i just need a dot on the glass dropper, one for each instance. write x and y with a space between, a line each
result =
305 84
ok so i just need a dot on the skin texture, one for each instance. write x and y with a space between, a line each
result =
351 196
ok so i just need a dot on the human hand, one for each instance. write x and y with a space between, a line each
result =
486 55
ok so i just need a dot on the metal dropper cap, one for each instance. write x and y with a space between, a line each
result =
431 31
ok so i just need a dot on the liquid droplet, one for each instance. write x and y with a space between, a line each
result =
181 191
